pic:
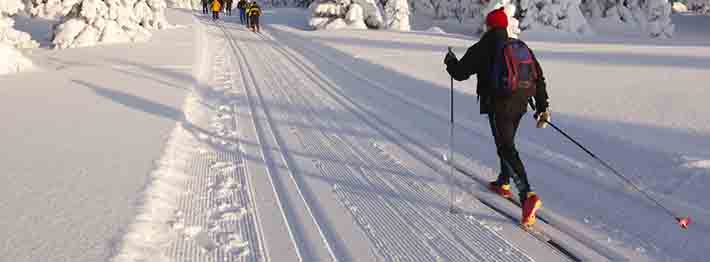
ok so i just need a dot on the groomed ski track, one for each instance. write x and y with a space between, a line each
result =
275 163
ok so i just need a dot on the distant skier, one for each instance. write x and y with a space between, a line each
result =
205 7
216 7
228 7
487 60
242 6
254 11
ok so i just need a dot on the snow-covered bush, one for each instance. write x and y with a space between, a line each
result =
371 13
11 60
700 6
51 9
658 18
562 15
186 4
679 7
650 16
337 14
90 22
397 15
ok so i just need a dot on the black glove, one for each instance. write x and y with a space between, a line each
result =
450 58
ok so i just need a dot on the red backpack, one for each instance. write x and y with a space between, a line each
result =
515 71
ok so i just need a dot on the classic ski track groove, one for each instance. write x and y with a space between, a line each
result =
279 142
252 112
467 126
405 207
346 174
322 86
206 205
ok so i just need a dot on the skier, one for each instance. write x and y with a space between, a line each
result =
216 7
242 6
254 11
228 7
504 112
205 6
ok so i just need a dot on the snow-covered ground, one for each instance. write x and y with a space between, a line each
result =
298 145
80 136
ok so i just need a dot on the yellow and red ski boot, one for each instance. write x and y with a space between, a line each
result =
531 204
502 190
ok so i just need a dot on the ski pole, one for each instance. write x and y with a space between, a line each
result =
683 222
451 147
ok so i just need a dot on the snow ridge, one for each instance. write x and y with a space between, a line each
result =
199 204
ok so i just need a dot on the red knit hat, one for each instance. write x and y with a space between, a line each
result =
497 19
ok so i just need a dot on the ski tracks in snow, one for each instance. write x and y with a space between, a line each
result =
273 163
199 205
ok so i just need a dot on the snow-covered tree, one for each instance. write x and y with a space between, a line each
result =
372 13
562 15
397 15
90 22
337 14
658 18
700 6
679 7
11 60
650 16
439 8
459 9
187 4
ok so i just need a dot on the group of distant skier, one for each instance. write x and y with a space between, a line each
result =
249 12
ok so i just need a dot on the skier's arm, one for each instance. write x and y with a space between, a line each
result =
541 97
467 66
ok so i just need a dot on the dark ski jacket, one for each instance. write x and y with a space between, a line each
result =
478 60
254 10
242 4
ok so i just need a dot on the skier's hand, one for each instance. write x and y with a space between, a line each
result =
542 118
450 57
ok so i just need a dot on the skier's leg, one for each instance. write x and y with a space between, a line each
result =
505 170
505 126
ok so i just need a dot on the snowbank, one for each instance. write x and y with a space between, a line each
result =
90 22
11 60
679 7
344 14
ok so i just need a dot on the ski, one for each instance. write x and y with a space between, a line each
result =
484 183
534 231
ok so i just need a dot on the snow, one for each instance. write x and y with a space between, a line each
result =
397 15
344 14
679 7
564 16
85 132
108 21
12 60
700 6
211 143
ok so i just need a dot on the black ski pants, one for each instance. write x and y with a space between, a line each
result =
504 124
